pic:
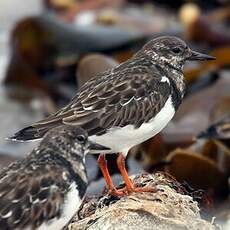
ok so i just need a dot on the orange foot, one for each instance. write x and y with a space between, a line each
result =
129 186
124 191
118 192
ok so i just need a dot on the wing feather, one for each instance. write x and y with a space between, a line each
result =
118 99
27 199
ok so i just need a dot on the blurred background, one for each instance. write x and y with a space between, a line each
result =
49 48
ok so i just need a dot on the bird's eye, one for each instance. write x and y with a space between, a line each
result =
176 50
82 139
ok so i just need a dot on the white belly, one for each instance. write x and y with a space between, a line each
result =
121 140
72 204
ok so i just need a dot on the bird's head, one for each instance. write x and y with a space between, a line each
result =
66 140
70 140
172 51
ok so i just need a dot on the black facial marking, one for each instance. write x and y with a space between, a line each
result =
82 139
176 94
177 50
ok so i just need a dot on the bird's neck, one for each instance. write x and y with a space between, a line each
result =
177 83
63 156
174 73
178 78
178 86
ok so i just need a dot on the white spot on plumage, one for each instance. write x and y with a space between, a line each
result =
122 139
36 201
64 176
165 79
127 102
7 215
31 199
16 221
15 201
43 201
87 107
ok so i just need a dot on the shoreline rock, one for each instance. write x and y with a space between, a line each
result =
170 207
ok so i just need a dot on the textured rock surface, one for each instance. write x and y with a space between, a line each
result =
171 207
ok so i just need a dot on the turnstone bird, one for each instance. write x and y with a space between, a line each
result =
128 104
218 130
44 190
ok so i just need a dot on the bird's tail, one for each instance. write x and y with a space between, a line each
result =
37 130
28 134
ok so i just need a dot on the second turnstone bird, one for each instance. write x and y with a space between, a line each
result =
128 104
218 130
45 190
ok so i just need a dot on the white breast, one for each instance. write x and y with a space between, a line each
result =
122 139
72 204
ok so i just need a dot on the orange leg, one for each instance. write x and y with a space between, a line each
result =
124 173
103 166
129 184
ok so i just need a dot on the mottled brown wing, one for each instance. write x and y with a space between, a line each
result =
124 100
30 197
118 100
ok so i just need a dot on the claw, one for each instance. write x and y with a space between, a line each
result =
118 192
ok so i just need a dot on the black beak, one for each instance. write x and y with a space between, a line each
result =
200 57
95 146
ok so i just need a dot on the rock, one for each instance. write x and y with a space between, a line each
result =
170 207
207 175
92 64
